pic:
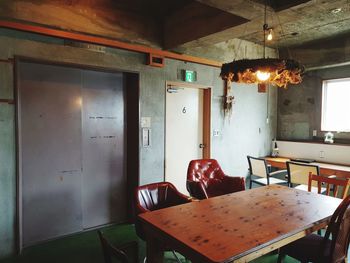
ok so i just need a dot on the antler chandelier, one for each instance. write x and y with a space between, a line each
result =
278 72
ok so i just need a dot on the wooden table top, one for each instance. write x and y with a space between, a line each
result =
225 228
326 168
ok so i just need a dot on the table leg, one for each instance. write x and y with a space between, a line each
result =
155 253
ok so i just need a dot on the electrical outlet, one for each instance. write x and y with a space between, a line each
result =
321 154
314 133
216 133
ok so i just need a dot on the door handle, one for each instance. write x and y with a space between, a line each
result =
202 145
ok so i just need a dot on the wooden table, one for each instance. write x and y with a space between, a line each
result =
325 168
236 227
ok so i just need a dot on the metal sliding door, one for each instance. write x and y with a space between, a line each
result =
50 139
71 141
104 180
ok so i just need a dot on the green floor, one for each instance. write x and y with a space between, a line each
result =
85 248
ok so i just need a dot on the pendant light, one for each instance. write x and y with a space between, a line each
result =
275 71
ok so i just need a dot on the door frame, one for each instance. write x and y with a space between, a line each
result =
132 142
207 94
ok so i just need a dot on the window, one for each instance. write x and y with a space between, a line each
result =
336 105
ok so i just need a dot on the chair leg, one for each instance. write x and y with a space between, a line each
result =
176 257
280 257
250 184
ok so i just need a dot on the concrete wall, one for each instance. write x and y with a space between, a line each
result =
299 107
7 162
246 132
321 52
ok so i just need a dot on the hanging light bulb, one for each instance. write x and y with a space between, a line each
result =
269 35
263 76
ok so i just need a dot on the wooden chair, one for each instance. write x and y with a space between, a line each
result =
259 172
298 174
331 183
110 251
332 248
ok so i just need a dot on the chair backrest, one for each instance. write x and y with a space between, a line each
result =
257 166
336 184
156 196
206 179
110 251
339 228
298 173
204 169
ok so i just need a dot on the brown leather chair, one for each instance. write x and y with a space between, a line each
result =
111 252
315 248
206 179
156 196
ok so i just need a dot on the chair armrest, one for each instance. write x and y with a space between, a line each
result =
269 167
193 199
141 210
233 178
238 182
332 176
183 198
279 172
196 190
120 252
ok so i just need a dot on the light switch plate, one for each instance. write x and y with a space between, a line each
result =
146 137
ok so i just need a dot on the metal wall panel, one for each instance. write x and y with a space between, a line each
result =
71 137
104 178
50 144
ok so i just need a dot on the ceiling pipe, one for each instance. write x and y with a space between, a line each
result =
347 63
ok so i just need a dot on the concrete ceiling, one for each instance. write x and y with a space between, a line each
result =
198 23
186 24
294 22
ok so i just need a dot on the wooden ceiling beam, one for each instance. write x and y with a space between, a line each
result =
75 36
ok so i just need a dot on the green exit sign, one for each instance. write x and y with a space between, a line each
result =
189 75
